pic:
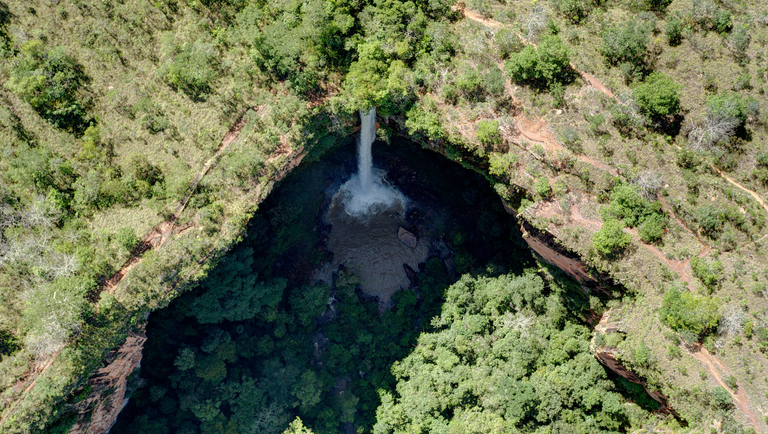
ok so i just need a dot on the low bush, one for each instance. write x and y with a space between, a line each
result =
708 272
627 44
674 31
610 240
191 70
50 81
684 311
658 96
543 66
488 133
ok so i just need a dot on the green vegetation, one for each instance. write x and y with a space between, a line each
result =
708 272
626 46
630 207
239 353
543 67
109 112
524 379
51 82
610 240
658 96
684 311
488 133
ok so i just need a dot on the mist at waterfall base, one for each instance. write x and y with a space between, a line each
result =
368 192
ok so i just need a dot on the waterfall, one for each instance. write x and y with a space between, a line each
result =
368 191
364 157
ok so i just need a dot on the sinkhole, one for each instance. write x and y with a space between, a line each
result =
338 318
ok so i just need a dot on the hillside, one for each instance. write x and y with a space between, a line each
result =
629 140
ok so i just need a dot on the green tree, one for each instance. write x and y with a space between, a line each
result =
186 359
611 239
658 96
232 293
731 106
685 311
708 272
127 238
309 302
626 46
710 219
50 81
192 69
720 398
488 133
674 31
652 228
575 10
307 390
543 66
297 427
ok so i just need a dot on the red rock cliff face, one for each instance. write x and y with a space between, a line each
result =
109 385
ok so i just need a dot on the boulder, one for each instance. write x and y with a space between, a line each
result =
407 238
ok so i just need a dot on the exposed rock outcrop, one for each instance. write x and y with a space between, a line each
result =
109 386
607 357
407 238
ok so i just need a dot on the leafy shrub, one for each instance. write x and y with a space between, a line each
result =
708 272
629 206
685 311
470 83
723 21
742 82
732 106
571 139
507 43
488 133
652 229
575 10
596 123
720 398
649 5
709 218
493 82
143 170
674 31
127 238
541 185
542 66
500 163
738 42
192 69
423 120
627 44
626 117
725 118
49 80
658 96
611 239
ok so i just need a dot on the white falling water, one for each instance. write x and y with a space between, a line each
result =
364 157
368 192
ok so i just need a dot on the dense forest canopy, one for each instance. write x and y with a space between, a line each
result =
140 137
503 348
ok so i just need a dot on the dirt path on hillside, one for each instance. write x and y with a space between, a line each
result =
154 239
714 366
550 209
532 130
750 192
32 379
593 82
165 230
